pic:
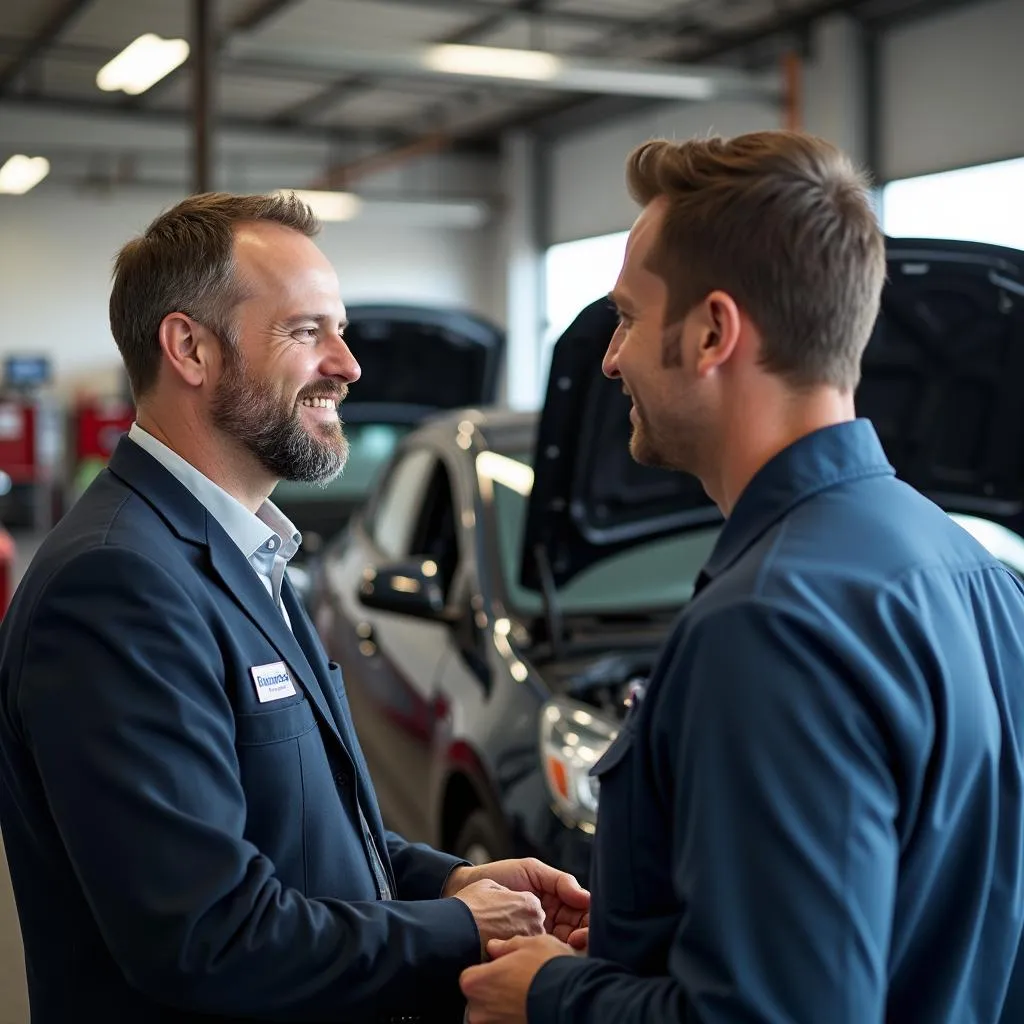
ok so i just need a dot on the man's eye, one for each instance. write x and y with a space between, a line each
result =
308 333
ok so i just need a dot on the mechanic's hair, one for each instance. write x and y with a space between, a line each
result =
782 222
184 263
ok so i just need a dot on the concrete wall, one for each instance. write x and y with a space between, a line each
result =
57 246
953 89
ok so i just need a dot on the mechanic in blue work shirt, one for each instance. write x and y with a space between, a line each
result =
815 815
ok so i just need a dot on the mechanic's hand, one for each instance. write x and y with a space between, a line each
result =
566 904
501 913
580 939
497 992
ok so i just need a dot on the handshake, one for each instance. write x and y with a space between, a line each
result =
522 898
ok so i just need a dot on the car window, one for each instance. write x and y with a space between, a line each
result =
658 574
434 534
661 573
397 507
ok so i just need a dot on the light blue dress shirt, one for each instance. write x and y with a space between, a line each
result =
268 538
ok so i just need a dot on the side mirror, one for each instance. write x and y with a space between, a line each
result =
405 588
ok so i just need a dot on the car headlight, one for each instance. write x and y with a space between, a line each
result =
573 738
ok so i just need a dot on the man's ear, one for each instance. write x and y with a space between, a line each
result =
719 323
186 347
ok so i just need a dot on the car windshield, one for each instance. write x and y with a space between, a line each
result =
656 575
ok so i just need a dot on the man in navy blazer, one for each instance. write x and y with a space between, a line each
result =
815 813
191 830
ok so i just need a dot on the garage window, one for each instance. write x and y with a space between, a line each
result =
977 204
575 274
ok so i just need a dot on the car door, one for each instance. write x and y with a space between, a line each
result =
397 658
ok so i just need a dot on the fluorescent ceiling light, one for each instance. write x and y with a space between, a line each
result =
329 205
493 62
22 173
142 64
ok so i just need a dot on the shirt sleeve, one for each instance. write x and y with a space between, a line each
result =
784 849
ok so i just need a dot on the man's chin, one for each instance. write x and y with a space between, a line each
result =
642 451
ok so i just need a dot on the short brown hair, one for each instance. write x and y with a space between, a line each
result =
184 263
783 222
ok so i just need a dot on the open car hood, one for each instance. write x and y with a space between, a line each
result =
941 382
417 360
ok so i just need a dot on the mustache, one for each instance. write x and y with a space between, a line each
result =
339 392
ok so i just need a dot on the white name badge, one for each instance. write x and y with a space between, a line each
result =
272 682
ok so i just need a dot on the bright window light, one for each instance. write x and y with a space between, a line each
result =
141 64
22 173
976 204
329 205
515 475
577 273
493 62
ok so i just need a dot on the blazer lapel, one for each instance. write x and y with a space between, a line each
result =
315 656
310 643
241 580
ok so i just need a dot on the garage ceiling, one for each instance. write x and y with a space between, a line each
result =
326 77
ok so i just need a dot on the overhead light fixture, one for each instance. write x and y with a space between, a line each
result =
22 173
493 62
534 70
141 64
328 206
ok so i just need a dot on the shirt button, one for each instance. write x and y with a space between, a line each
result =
271 544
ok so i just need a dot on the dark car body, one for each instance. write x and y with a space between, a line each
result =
512 577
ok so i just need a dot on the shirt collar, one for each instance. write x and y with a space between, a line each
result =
817 462
269 530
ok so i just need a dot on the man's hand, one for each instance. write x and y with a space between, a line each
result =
497 992
580 939
501 913
566 904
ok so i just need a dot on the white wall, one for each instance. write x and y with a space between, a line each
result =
954 90
57 247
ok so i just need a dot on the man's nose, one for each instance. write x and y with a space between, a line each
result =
610 363
340 362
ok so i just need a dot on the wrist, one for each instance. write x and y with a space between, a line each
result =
459 878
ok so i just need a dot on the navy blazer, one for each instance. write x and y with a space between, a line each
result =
180 851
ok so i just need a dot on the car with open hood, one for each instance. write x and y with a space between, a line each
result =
508 585
415 361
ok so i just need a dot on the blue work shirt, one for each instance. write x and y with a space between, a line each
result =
815 815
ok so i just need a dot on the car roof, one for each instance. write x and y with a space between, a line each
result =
501 429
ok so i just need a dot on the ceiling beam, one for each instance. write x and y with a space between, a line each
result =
260 14
885 16
567 117
34 46
572 19
182 118
352 85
